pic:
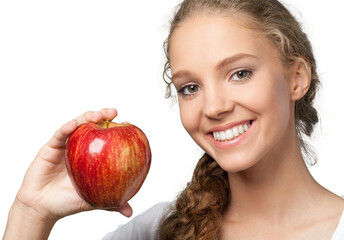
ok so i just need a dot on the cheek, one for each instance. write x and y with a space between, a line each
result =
280 99
269 93
189 115
273 107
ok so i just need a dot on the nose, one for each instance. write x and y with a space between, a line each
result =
217 103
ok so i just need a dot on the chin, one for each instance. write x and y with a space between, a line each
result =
234 168
235 164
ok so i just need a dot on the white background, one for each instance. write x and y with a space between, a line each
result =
59 59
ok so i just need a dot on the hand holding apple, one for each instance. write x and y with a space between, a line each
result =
47 189
47 193
107 162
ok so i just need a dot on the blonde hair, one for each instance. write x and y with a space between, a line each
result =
198 210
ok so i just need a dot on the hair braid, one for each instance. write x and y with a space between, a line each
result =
203 201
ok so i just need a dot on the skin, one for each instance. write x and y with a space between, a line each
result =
267 164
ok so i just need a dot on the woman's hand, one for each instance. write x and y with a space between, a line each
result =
47 192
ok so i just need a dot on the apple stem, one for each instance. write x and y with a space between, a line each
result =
107 123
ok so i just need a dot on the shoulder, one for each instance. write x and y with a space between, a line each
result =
157 211
144 226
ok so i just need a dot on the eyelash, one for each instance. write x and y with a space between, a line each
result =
183 88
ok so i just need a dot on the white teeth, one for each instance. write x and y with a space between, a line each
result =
231 133
241 129
235 132
245 127
222 136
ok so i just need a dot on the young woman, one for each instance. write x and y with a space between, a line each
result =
246 79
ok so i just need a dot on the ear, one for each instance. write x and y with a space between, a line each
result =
300 79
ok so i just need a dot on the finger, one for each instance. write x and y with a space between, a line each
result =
125 210
91 116
109 113
60 137
97 116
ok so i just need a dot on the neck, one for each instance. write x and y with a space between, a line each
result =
274 189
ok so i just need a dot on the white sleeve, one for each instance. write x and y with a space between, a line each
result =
144 226
339 232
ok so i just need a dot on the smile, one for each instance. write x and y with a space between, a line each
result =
231 133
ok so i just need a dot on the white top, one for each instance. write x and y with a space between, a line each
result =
339 233
145 226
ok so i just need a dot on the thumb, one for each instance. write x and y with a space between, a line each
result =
126 210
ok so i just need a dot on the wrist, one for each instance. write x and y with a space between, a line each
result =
27 223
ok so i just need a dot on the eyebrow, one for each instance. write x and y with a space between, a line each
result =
222 63
234 58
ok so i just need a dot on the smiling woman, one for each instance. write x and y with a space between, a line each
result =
246 79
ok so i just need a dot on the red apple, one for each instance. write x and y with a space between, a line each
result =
107 162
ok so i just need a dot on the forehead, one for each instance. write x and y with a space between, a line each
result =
202 41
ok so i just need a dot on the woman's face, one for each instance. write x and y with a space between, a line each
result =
233 92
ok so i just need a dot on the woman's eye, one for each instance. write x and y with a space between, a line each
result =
241 75
189 89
